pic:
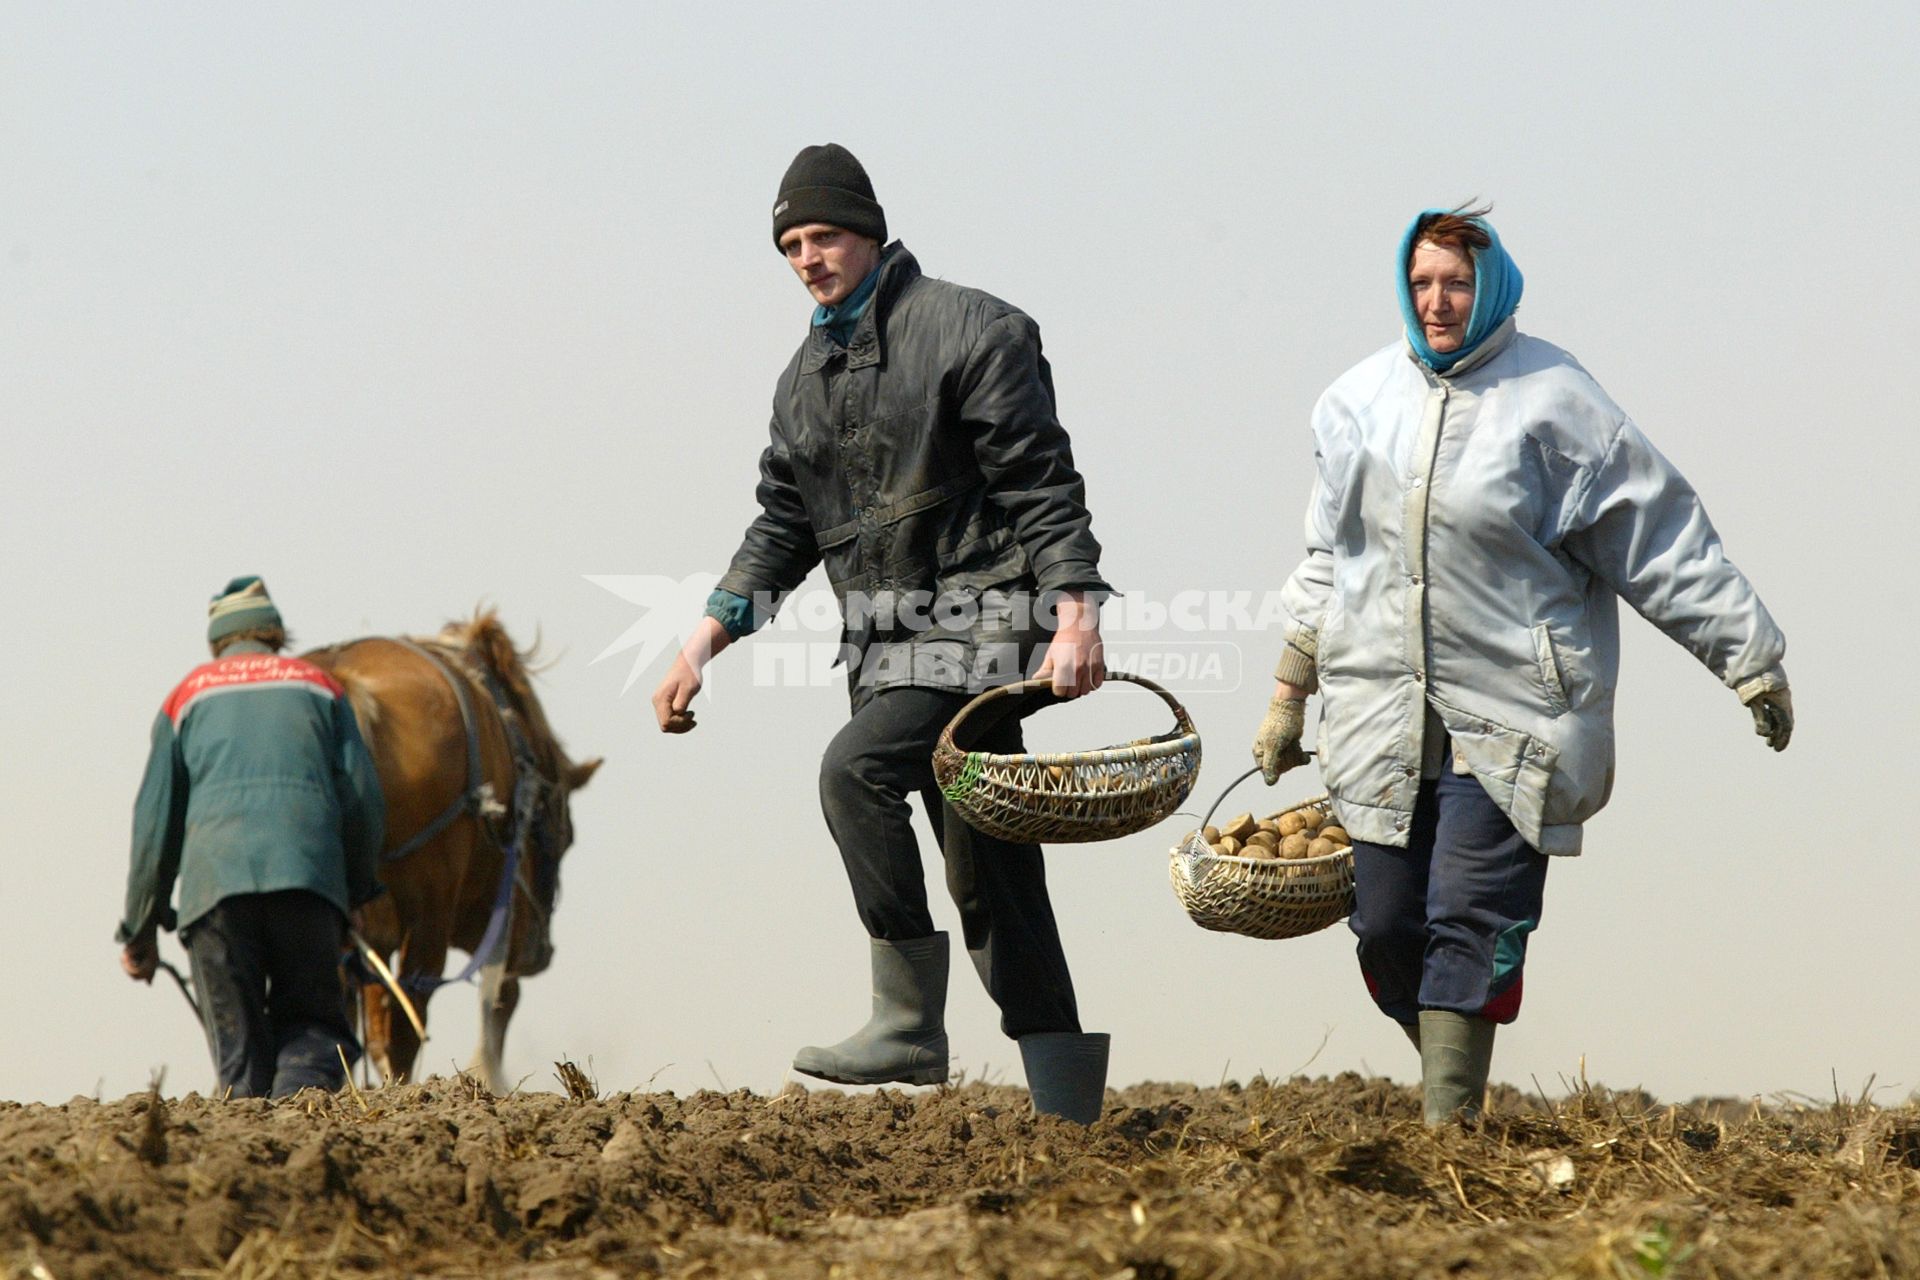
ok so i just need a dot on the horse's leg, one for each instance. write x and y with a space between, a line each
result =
377 925
499 997
426 956
376 1011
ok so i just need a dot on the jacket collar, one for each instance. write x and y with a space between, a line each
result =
898 269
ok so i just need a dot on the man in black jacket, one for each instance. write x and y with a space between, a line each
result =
915 450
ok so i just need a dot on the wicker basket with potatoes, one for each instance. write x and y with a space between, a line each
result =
1281 876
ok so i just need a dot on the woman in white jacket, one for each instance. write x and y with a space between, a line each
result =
1480 507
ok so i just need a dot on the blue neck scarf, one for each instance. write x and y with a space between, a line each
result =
1497 284
838 320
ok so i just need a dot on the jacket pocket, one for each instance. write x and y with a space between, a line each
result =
1549 664
840 553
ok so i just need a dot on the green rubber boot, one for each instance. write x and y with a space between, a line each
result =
905 1041
1067 1073
1456 1052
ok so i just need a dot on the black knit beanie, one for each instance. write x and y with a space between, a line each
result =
826 184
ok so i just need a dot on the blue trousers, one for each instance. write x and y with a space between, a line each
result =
266 967
1443 923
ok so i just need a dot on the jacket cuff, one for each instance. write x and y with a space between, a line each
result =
1773 678
165 919
1072 575
1297 664
733 612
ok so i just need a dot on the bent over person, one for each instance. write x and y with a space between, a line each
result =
915 450
1480 508
261 800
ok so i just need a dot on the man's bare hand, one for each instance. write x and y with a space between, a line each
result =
673 700
140 958
1076 660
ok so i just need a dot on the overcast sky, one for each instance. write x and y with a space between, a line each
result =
407 308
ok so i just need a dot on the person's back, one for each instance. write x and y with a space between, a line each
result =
262 801
257 736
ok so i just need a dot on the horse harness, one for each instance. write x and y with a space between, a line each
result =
479 801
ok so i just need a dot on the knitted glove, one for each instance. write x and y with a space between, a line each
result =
1276 748
1773 717
1772 706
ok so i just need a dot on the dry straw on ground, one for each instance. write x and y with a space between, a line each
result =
1303 1178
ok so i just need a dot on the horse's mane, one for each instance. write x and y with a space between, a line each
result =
484 638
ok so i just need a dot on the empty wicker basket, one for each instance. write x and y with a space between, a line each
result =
1261 897
1073 796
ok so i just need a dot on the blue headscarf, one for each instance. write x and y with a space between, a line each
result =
1496 292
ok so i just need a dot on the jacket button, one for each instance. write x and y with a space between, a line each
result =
1414 578
1420 677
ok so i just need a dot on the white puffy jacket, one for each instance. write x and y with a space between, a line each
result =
1467 539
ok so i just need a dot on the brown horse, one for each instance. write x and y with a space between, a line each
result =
464 786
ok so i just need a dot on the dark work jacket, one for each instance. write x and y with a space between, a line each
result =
924 464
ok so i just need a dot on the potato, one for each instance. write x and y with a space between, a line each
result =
1294 846
1219 847
1264 852
1268 824
1291 822
1241 827
1057 772
1210 834
1336 834
1266 838
1313 818
1229 846
1321 848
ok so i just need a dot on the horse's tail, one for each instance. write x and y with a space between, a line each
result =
366 707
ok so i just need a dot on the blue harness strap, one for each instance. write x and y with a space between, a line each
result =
475 800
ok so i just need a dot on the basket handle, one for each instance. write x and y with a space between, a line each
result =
1182 722
1236 782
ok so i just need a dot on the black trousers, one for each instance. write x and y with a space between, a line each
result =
266 967
885 754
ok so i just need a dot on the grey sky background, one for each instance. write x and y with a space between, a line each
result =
407 309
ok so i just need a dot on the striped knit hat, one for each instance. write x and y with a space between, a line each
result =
241 607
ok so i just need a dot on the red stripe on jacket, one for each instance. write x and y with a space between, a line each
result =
248 670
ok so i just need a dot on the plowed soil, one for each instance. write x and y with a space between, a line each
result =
1303 1178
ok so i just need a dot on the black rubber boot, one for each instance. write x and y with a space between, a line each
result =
905 1041
1067 1073
1456 1053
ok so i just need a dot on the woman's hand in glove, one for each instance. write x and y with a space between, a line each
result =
1276 748
1773 716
